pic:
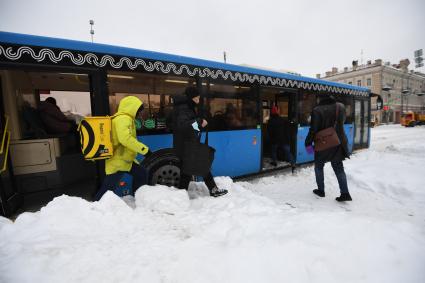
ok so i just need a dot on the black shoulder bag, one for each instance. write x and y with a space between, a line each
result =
198 157
327 138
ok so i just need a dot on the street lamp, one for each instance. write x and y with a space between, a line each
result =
386 108
91 22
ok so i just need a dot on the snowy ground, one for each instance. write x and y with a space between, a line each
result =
272 229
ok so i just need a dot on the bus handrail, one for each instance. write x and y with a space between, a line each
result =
4 165
4 145
4 133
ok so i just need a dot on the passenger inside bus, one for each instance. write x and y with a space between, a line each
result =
53 118
231 117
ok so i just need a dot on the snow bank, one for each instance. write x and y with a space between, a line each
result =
269 230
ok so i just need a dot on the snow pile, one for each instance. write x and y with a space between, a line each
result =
272 229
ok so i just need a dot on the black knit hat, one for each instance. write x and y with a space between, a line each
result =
191 92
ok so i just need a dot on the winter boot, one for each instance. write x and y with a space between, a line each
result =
320 193
216 192
344 197
292 168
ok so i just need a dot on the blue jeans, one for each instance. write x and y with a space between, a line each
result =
339 172
286 150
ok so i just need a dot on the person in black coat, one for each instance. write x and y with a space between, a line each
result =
53 118
278 130
323 116
186 128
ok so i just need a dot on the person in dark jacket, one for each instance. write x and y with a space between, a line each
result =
53 118
186 128
323 116
278 130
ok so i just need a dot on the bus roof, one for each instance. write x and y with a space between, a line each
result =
41 41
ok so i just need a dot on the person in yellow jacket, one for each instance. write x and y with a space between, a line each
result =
126 147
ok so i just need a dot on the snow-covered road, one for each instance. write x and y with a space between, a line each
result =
272 229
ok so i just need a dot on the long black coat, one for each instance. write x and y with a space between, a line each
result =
184 115
278 130
322 117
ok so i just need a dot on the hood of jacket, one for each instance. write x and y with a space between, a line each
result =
129 105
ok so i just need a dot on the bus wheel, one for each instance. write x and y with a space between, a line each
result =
163 168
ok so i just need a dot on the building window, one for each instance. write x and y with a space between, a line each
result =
369 82
359 82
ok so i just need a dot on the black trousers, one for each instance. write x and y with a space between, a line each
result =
185 180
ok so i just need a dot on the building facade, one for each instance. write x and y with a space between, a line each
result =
401 89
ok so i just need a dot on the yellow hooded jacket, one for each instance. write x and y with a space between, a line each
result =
126 146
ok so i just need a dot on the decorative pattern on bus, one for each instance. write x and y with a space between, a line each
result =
166 68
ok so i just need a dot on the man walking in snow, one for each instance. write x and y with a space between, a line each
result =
328 113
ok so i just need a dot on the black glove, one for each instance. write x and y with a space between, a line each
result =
149 153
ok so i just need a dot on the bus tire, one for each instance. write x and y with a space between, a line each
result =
163 167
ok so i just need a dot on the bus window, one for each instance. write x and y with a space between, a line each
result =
229 107
348 103
306 102
35 117
155 92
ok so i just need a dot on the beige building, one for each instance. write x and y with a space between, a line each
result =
401 89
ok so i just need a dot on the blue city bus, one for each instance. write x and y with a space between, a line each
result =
91 79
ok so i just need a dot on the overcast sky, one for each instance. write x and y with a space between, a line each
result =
307 37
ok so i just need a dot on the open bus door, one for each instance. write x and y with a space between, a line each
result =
43 164
361 123
10 198
284 100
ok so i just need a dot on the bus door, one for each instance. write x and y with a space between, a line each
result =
361 123
44 107
10 198
283 100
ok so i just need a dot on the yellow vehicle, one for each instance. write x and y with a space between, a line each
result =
411 119
421 119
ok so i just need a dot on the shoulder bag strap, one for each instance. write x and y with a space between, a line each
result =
206 135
